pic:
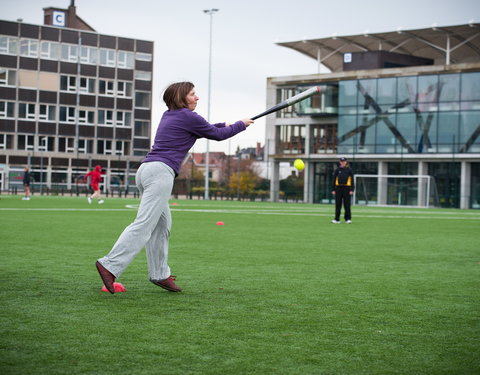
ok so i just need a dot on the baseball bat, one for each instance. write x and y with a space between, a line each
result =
290 101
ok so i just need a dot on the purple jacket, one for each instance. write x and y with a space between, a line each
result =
178 131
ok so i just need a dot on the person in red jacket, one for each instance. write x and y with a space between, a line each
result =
95 179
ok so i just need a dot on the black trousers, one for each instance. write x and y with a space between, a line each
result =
342 196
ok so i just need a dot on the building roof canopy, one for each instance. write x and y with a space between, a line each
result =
445 45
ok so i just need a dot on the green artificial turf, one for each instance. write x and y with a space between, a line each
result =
278 289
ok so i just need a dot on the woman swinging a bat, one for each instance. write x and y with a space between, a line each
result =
177 132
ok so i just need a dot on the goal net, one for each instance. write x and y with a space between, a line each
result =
395 190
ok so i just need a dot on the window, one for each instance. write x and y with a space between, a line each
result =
68 83
46 112
347 93
124 118
69 52
29 47
469 84
85 146
407 89
25 142
449 87
67 114
66 144
8 77
8 45
7 109
143 76
125 60
122 148
87 85
70 147
141 128
291 139
143 56
104 147
387 92
46 143
282 95
88 55
347 133
59 176
5 141
26 111
142 99
323 102
106 87
322 138
105 117
107 57
428 89
124 89
469 128
367 90
49 50
86 117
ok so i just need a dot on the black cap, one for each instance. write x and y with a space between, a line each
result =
343 159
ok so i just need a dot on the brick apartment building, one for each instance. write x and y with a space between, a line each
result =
70 99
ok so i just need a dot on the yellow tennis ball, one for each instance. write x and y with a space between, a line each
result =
299 164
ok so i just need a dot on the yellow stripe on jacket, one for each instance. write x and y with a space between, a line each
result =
349 182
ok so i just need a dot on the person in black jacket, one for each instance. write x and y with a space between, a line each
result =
26 184
343 187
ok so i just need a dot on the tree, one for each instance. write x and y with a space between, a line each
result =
292 187
244 178
243 183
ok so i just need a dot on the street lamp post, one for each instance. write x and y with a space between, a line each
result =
239 156
43 142
209 12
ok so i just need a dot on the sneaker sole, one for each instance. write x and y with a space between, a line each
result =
166 287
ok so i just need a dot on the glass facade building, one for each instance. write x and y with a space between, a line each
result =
435 113
411 133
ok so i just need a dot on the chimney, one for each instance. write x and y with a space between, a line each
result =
72 15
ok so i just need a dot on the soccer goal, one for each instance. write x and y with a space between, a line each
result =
396 190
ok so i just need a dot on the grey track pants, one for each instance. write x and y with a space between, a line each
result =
151 228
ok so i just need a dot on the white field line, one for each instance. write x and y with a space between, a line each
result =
424 211
64 209
273 211
266 212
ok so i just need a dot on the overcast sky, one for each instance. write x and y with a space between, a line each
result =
244 37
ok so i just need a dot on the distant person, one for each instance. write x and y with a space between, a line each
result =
26 183
179 129
95 179
343 187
